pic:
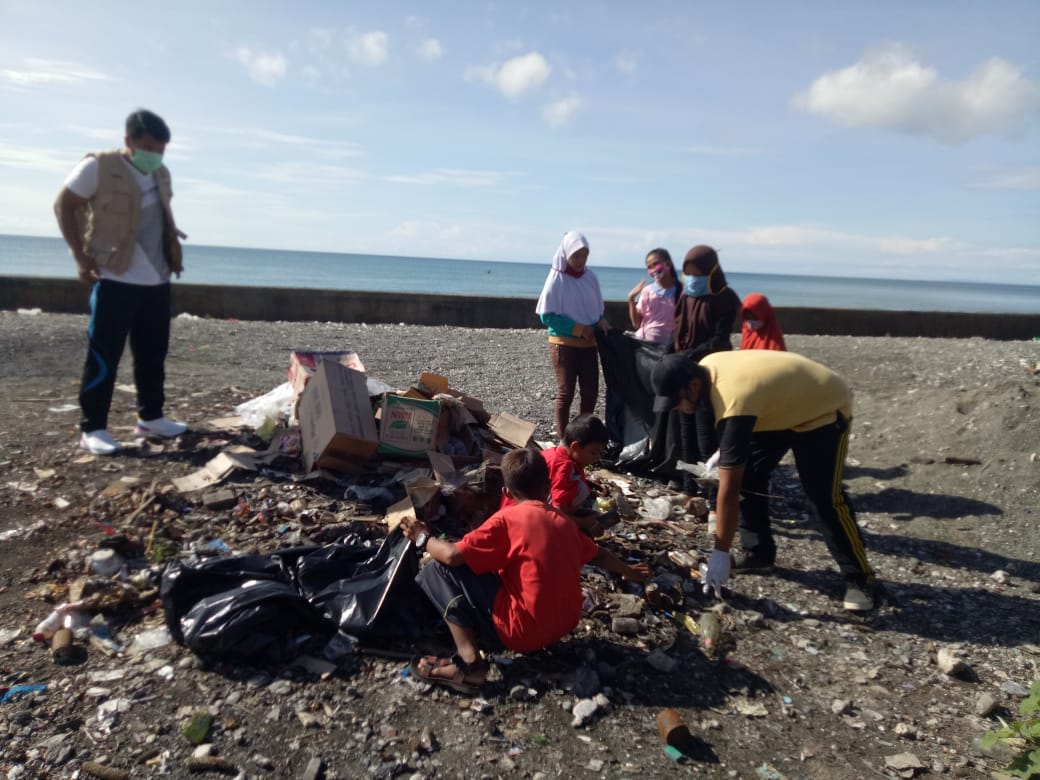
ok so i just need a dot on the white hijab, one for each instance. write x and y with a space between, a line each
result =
577 298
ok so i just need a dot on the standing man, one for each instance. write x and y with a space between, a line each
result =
114 213
766 403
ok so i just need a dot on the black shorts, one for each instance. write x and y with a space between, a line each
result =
463 598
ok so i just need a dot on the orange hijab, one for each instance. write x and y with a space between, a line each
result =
767 333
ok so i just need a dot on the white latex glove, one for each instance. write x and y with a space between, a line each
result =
713 462
718 572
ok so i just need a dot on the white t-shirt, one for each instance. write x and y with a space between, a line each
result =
83 181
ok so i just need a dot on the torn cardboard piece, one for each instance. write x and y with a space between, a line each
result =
511 429
217 469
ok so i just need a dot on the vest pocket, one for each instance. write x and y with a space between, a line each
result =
116 203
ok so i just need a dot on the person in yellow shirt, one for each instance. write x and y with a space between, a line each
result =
767 403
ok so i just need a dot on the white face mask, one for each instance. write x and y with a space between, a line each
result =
753 324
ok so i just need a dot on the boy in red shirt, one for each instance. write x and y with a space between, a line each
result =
583 443
515 581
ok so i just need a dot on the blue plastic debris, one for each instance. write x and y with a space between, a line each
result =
18 690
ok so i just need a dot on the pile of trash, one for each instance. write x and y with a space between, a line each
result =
291 548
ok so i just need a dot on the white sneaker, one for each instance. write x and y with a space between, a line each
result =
160 426
859 598
99 443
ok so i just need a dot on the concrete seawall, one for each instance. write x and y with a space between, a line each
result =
299 305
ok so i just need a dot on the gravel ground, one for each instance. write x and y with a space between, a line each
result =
944 471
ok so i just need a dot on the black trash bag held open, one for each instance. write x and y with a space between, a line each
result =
650 440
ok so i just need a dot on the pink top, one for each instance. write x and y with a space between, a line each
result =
657 307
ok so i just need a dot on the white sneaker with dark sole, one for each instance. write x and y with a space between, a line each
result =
98 443
161 427
859 598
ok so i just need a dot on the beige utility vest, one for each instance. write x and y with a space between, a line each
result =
108 224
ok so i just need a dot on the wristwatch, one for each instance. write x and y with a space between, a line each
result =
420 542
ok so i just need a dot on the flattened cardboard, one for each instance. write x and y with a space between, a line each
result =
511 429
217 469
337 428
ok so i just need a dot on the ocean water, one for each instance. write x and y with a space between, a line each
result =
48 257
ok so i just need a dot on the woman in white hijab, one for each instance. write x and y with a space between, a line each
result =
571 307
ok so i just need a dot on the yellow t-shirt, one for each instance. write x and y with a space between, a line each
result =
781 390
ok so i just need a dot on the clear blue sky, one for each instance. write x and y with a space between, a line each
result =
892 139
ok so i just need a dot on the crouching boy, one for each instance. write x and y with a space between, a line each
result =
515 581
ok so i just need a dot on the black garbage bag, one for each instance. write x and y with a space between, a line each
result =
267 606
258 619
649 441
370 597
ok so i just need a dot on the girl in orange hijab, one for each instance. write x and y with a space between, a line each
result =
760 329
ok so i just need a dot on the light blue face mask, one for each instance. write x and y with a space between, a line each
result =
695 286
146 162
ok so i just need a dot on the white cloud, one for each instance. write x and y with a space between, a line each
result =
458 177
626 62
431 50
1025 178
36 72
265 69
35 158
309 174
370 49
889 89
266 137
515 77
560 112
804 237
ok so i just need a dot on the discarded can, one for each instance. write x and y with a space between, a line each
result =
711 632
62 648
672 729
624 625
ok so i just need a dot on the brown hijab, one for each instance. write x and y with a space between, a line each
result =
704 323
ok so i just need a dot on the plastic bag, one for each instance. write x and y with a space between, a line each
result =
267 607
276 405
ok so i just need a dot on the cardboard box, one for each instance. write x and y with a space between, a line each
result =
408 426
337 427
302 365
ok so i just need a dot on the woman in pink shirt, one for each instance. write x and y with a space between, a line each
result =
651 307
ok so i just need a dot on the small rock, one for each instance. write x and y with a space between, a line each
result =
584 710
840 706
315 769
1012 688
949 663
999 576
903 761
986 704
905 730
196 729
662 662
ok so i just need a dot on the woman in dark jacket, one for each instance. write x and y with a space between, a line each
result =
704 318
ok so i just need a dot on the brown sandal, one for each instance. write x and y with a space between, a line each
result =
457 681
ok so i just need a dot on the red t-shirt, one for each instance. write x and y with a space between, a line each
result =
538 552
568 488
